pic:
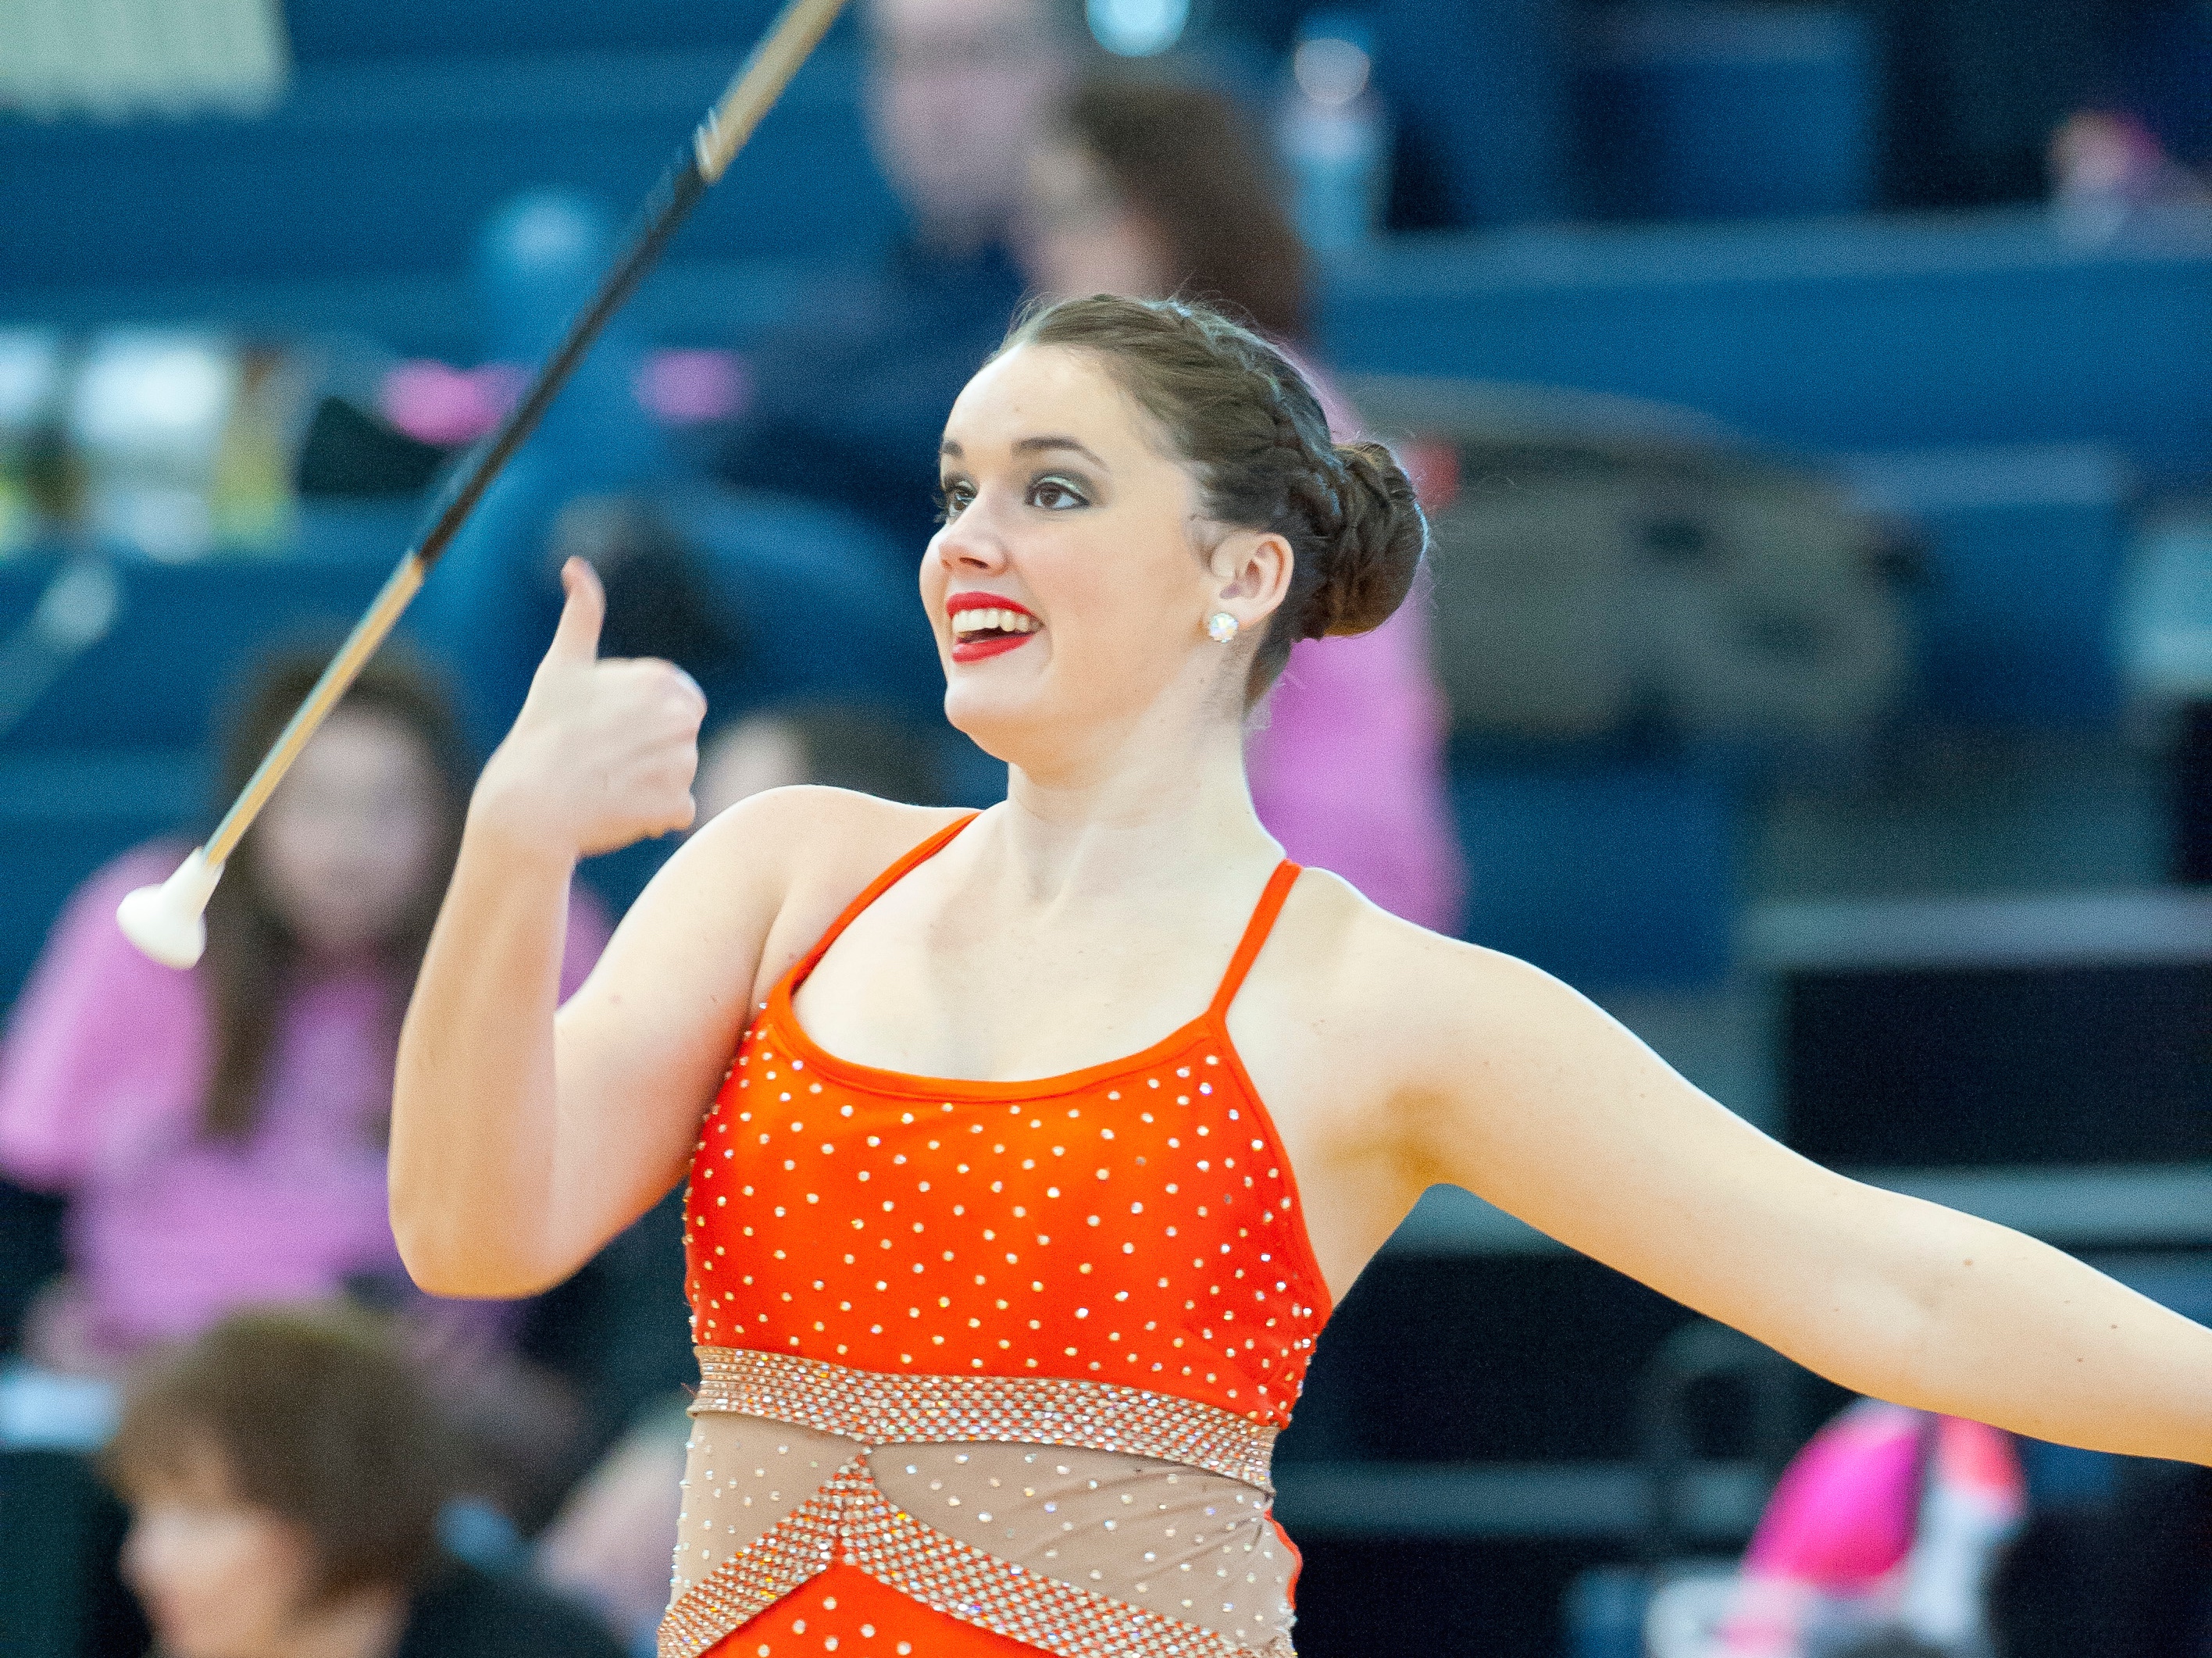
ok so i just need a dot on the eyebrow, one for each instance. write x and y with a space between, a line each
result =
951 450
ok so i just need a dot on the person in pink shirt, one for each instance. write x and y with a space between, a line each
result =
1149 189
1881 1536
220 1133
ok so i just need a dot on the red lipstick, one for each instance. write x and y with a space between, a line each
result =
980 644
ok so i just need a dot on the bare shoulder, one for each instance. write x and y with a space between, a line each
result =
805 852
1335 941
810 829
1402 999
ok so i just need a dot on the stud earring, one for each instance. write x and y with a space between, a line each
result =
1221 627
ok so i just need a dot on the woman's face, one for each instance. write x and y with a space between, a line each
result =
218 1578
347 843
1071 584
1079 237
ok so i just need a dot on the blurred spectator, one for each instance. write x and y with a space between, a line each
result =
610 1546
219 1133
285 1475
660 597
1149 188
851 398
844 746
1880 1538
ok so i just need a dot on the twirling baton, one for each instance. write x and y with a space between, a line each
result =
168 922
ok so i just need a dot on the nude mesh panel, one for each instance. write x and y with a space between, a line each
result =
1174 1539
741 1475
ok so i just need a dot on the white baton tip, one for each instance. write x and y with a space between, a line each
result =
168 922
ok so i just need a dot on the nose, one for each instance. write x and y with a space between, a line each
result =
969 543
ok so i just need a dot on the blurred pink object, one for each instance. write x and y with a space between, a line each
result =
436 403
1347 765
1888 1516
2105 167
101 1079
689 388
1348 773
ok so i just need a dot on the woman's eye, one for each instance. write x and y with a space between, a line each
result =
951 499
1056 494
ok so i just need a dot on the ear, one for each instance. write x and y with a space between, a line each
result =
1250 571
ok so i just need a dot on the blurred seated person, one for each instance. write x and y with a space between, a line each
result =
219 1133
1152 189
285 1474
842 745
849 399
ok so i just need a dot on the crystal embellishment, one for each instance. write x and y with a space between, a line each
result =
849 1519
880 1409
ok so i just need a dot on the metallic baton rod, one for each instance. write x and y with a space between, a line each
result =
167 922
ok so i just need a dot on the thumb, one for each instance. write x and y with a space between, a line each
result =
577 638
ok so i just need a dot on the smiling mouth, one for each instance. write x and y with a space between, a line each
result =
990 623
986 630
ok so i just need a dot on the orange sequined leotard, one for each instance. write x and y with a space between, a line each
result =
991 1368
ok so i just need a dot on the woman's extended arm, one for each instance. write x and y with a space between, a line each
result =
1537 1100
501 1182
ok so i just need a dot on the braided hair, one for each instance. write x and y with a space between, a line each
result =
1243 417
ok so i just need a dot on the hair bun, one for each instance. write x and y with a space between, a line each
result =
1377 552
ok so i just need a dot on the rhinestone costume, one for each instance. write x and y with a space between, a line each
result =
991 1368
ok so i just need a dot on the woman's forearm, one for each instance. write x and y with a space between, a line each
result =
473 1120
601 755
2000 1328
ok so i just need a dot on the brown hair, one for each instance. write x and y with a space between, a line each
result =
311 1416
1186 158
251 953
1240 416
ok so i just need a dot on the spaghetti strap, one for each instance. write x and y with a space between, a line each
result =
891 877
1255 935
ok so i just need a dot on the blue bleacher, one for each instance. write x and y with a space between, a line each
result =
292 195
185 632
343 31
1888 332
1612 875
2024 546
116 750
1954 345
1732 112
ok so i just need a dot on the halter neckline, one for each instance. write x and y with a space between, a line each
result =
1213 1018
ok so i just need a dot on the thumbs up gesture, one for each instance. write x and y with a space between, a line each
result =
603 752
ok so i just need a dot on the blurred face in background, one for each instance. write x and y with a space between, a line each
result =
347 844
957 91
1079 237
748 758
219 1578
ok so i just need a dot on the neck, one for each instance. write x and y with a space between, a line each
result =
1146 807
363 1624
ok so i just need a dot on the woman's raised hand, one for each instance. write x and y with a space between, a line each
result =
603 752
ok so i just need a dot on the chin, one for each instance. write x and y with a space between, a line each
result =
999 724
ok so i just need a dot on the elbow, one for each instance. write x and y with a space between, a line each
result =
464 1263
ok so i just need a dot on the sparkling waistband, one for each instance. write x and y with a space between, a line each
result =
879 1409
